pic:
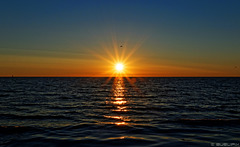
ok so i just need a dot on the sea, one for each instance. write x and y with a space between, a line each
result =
119 111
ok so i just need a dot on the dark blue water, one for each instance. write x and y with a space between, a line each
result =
119 111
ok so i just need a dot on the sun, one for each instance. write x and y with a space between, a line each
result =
119 58
119 67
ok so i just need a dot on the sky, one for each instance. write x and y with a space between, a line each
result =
154 38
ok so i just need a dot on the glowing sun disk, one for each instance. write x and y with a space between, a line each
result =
119 66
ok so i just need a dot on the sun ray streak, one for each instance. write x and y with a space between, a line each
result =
103 58
118 57
115 47
110 55
135 48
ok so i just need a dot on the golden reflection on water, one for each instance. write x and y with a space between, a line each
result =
118 102
125 137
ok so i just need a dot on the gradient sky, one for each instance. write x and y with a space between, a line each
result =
70 38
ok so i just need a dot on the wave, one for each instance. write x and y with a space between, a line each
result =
84 142
4 95
207 122
16 129
13 116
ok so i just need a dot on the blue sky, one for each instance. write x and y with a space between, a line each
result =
176 32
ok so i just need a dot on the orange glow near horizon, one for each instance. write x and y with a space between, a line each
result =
119 57
114 59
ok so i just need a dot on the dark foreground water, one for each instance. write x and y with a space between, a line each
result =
119 111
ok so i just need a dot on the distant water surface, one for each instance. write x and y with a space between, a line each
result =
119 111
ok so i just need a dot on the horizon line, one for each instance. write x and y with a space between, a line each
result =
119 76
